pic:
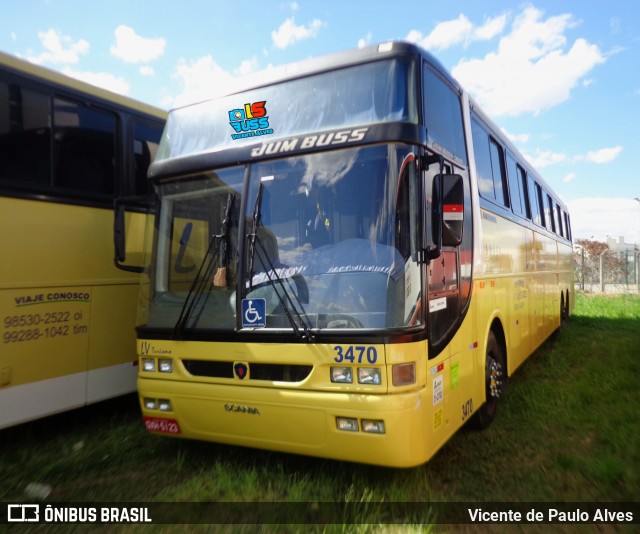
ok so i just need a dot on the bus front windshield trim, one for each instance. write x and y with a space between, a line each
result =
330 243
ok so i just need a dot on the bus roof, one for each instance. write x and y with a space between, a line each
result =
25 68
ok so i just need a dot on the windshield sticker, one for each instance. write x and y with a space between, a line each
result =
250 121
254 313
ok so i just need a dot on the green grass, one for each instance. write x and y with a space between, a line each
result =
567 430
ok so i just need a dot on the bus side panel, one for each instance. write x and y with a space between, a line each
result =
44 357
112 351
57 277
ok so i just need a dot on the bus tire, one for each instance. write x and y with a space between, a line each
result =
495 381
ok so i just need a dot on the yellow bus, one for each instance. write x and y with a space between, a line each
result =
67 150
348 260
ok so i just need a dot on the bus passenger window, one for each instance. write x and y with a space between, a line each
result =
537 205
551 222
24 136
567 225
84 147
483 161
497 166
559 219
524 191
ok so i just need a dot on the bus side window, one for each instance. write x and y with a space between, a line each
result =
567 225
559 219
497 166
25 135
524 190
550 215
443 114
534 204
514 185
483 161
489 165
84 148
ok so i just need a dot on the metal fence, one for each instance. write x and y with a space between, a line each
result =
611 272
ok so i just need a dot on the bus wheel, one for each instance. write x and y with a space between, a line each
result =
495 378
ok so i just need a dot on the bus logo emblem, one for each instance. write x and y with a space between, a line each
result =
240 370
254 313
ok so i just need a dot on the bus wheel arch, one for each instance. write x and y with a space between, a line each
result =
495 376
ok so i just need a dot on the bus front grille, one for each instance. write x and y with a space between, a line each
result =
274 372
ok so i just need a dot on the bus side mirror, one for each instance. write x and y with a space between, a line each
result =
119 239
447 213
452 210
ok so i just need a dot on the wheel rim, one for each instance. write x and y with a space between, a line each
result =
494 377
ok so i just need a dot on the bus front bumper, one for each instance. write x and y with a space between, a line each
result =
378 429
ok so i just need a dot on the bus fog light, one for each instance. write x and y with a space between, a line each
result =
164 405
165 366
149 365
150 404
404 374
347 424
369 375
373 426
342 375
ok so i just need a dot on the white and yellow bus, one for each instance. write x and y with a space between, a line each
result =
348 260
67 151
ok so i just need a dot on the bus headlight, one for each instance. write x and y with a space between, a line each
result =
150 404
369 375
164 405
341 375
403 374
165 366
149 365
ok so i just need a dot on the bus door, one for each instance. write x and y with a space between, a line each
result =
448 287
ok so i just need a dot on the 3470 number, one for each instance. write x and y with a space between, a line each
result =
355 354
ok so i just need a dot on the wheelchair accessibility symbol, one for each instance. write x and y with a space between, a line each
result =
254 313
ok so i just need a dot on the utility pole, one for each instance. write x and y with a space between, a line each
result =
636 249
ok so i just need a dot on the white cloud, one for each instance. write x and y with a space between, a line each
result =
604 155
101 79
531 70
516 138
288 32
458 31
132 48
59 49
544 158
569 177
200 79
146 70
247 67
602 217
364 41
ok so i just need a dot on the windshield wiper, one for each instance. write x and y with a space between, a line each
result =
204 277
300 327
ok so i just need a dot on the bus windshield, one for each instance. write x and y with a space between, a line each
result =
329 242
375 92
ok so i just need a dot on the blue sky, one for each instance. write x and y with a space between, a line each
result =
561 78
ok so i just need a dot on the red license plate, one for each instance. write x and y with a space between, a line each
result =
159 424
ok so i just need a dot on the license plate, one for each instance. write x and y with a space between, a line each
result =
159 424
